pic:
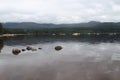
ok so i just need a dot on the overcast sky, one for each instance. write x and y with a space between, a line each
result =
59 11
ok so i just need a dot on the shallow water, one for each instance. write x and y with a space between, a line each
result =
80 59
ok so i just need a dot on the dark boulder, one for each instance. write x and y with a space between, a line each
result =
29 48
39 48
23 50
16 51
57 48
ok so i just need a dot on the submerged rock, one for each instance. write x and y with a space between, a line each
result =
23 50
16 51
57 48
29 48
39 48
34 49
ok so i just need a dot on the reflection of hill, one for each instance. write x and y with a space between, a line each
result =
29 40
1 44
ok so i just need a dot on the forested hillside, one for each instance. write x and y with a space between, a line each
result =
1 28
37 28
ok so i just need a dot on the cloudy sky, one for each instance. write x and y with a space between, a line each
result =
59 11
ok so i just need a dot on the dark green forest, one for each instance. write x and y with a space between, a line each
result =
1 28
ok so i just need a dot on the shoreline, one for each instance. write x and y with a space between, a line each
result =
12 35
60 34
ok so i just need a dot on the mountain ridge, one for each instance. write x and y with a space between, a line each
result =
33 25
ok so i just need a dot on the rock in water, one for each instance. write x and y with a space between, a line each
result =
16 51
57 48
29 48
23 49
34 49
39 48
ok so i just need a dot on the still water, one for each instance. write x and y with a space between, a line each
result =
82 58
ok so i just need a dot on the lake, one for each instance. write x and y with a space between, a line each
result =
82 58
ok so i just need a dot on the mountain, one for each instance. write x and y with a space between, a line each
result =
28 25
32 25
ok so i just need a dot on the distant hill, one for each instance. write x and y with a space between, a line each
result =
32 25
27 25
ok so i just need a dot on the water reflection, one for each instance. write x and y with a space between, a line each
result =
1 44
21 40
76 61
30 40
82 58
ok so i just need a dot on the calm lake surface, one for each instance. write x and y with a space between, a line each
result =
82 58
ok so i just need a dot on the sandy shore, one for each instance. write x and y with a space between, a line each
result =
12 35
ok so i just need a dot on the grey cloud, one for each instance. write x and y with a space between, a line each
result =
59 11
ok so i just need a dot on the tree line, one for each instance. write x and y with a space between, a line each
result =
1 28
101 28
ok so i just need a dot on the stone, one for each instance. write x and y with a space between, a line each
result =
34 49
16 51
57 48
39 48
23 50
29 48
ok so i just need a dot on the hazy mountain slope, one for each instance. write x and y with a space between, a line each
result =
31 25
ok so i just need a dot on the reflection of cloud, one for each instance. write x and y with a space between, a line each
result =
82 51
72 62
